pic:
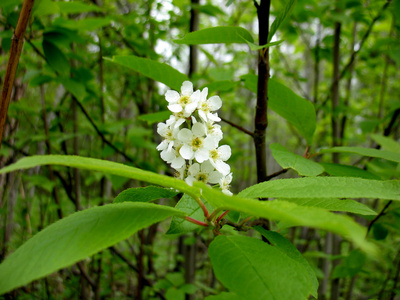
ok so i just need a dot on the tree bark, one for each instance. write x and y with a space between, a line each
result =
261 117
15 53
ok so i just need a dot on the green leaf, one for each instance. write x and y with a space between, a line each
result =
157 117
291 251
392 156
287 159
76 88
325 187
224 296
350 266
5 3
220 86
56 59
45 7
255 270
255 47
291 213
346 205
158 71
347 171
76 237
282 16
76 7
104 166
386 143
87 24
296 110
189 206
145 194
217 35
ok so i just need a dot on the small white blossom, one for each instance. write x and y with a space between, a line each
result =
191 138
204 172
218 158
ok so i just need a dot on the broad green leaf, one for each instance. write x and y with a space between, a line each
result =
291 213
76 237
287 159
255 47
346 205
291 251
325 187
5 3
209 9
347 171
387 143
220 86
189 206
103 166
217 35
145 194
76 88
155 70
56 59
296 110
157 117
224 296
76 7
45 7
281 17
255 270
392 156
350 265
87 24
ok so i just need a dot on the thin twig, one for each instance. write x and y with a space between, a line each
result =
269 177
237 127
103 138
15 53
382 213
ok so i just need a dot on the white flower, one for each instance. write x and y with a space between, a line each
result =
184 103
169 134
214 130
206 106
194 143
204 172
224 184
218 158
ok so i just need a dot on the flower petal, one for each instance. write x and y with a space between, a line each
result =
215 103
214 177
177 163
199 129
194 169
187 88
213 117
202 115
222 167
167 156
224 152
185 135
210 143
175 108
187 152
172 96
201 155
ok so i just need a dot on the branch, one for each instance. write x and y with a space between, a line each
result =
15 53
382 213
103 138
269 177
237 127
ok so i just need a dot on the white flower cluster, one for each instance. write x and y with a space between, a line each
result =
191 138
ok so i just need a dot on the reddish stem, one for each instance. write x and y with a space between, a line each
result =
196 221
221 216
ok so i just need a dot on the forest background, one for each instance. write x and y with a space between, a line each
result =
91 82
